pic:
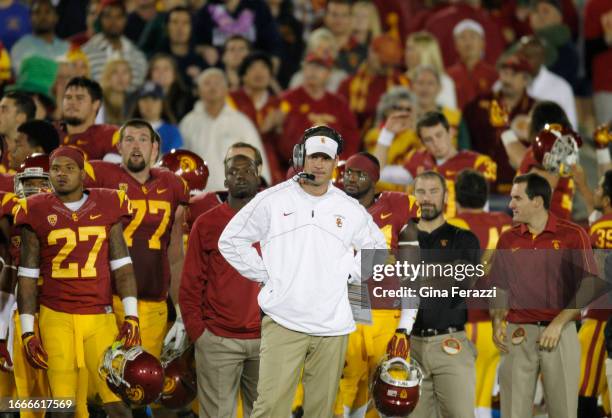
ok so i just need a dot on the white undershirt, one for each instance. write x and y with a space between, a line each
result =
74 206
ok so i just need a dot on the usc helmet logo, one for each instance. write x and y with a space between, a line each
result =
135 394
187 163
169 386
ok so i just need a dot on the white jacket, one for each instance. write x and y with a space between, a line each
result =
308 248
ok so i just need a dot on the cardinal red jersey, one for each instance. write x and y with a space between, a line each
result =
95 142
486 118
487 226
302 112
601 238
74 248
540 282
421 160
8 199
147 235
563 195
203 203
391 211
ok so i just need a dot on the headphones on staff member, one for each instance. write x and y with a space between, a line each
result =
299 150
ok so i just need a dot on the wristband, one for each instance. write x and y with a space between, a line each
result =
27 323
130 306
603 156
509 137
120 262
27 272
385 138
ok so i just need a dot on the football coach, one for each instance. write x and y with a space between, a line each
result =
310 234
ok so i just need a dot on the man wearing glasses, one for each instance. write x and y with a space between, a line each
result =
438 155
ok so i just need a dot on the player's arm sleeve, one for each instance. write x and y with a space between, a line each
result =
368 237
247 227
193 283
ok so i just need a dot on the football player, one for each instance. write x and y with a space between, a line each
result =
73 240
391 326
32 178
593 383
471 197
438 154
154 234
81 103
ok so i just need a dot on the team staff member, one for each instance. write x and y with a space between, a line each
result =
593 383
154 235
472 195
390 210
438 339
439 154
80 105
536 339
73 239
203 202
309 232
219 306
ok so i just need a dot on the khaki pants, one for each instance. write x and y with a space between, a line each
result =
223 366
449 380
521 366
283 354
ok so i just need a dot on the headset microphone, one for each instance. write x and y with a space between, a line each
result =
306 176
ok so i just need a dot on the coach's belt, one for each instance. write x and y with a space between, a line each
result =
431 332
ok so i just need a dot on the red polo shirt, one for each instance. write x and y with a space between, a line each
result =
541 273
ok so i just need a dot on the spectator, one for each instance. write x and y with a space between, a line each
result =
423 49
397 99
212 126
487 116
112 43
36 77
598 55
235 51
219 20
144 12
178 43
426 87
115 80
43 41
14 22
311 104
5 67
322 43
547 85
292 41
471 74
93 12
256 100
373 78
366 22
16 108
338 19
34 136
79 61
152 108
546 20
164 72
442 23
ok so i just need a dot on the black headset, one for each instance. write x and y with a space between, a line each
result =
299 150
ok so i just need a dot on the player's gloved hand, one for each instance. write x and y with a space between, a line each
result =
176 335
602 136
35 353
399 346
130 331
6 364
